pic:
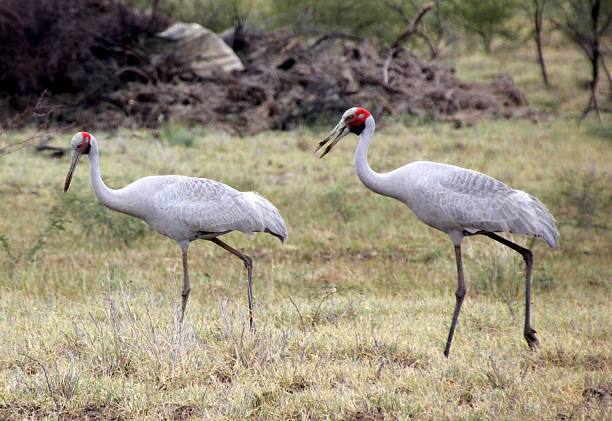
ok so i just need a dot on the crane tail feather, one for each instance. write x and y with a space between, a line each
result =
522 214
535 220
270 220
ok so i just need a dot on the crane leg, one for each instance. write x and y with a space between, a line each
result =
460 295
528 332
248 263
186 287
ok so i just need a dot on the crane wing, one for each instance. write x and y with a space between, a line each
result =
203 205
187 207
478 202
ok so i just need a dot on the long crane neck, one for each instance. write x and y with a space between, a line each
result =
370 178
109 197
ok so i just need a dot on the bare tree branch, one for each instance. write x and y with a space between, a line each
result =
412 26
433 51
411 29
603 64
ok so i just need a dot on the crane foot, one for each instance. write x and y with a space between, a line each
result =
530 337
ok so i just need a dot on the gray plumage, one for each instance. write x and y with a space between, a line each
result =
184 208
188 208
454 200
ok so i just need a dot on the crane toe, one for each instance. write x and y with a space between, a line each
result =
530 337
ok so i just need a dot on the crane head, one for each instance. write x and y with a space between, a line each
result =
79 145
353 121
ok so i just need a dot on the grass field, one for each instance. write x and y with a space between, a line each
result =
352 312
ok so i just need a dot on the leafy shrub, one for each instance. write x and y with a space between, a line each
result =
585 198
486 18
176 135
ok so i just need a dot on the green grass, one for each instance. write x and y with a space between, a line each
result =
352 312
569 73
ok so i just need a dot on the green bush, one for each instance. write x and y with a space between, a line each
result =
176 135
486 19
216 15
585 198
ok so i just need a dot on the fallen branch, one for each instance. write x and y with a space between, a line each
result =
334 35
14 147
397 45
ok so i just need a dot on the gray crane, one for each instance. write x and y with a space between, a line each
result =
454 200
184 208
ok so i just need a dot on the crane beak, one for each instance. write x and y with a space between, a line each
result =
339 131
74 160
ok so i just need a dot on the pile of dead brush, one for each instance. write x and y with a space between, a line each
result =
104 78
289 81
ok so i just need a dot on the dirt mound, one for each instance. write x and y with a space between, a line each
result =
289 82
286 82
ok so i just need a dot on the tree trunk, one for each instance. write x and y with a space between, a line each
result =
594 61
539 10
486 42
